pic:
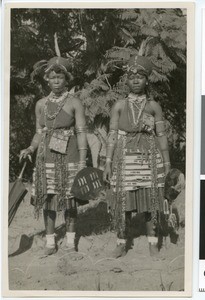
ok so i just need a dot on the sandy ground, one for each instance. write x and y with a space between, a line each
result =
92 267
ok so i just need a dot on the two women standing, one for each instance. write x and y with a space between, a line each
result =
137 158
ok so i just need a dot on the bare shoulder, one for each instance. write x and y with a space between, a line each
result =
119 105
40 103
155 106
76 102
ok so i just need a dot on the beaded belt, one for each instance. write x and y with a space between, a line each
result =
66 132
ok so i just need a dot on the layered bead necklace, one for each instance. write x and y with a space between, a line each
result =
136 106
60 101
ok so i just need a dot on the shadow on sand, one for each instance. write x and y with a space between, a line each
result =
93 219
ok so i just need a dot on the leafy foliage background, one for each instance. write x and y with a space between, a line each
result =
98 42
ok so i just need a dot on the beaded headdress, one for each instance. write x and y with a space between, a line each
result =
62 63
139 64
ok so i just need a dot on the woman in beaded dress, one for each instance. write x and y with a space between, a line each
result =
61 145
137 157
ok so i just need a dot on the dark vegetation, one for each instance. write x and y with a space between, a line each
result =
98 43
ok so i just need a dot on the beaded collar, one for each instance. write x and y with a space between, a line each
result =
136 98
52 97
60 101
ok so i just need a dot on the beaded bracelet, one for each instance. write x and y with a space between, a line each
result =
82 163
39 131
167 163
81 129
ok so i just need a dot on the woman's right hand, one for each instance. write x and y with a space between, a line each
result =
25 153
107 173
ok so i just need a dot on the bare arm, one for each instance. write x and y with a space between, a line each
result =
80 130
112 139
161 135
37 137
112 136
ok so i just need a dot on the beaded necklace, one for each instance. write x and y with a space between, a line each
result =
136 105
60 101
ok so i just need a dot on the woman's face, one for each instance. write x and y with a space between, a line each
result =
137 83
57 82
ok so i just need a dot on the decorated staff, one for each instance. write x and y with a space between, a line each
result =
61 145
137 158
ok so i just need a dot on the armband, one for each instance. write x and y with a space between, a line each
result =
81 129
160 128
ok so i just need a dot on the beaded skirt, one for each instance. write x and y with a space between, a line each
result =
138 177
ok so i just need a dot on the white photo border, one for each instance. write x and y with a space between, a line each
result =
189 148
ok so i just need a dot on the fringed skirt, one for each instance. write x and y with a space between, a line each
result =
137 175
52 201
53 177
137 181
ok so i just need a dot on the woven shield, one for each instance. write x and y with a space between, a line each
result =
87 184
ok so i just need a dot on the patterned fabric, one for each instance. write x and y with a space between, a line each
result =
138 171
54 172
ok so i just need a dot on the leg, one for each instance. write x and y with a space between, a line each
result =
70 222
151 234
49 220
122 238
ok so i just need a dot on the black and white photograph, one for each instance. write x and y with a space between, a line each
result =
100 106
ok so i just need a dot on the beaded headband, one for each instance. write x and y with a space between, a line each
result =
139 64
